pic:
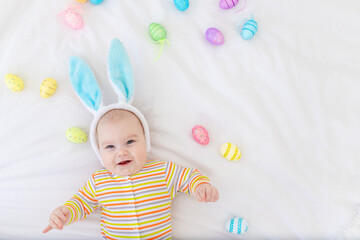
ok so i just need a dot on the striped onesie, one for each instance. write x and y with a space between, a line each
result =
137 206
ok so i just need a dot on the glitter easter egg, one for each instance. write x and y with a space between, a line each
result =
236 225
14 83
72 18
48 87
182 5
76 135
214 36
249 29
230 152
157 32
200 135
227 4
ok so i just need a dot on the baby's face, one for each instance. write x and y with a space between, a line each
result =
122 144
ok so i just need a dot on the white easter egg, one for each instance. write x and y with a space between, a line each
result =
236 225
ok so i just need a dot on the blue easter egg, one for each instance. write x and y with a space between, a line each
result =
249 29
182 5
237 225
96 2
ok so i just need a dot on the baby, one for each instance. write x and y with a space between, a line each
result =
134 193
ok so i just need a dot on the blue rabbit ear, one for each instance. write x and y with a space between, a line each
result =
84 83
120 72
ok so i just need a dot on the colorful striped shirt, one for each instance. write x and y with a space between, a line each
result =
137 206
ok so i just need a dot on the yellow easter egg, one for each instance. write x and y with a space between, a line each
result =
14 83
230 151
81 1
76 135
48 87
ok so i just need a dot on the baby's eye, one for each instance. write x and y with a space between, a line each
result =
130 141
109 147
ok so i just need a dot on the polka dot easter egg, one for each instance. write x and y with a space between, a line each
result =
48 88
237 225
230 151
200 135
14 83
214 36
76 135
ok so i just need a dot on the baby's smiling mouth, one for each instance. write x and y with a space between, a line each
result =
124 162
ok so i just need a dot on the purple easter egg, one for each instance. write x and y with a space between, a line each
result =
227 4
214 36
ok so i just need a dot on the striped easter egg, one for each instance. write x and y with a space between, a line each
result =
249 29
48 87
227 4
157 32
230 151
236 225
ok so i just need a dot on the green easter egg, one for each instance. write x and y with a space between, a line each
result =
76 135
157 32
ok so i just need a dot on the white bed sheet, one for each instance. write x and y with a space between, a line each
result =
288 98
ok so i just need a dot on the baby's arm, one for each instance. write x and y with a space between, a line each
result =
58 218
189 181
77 208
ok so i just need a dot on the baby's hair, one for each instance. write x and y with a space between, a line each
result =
113 115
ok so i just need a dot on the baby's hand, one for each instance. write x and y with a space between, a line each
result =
206 193
58 218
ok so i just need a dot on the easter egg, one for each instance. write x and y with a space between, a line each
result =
96 2
236 225
14 83
214 36
157 32
48 87
76 135
182 5
249 29
81 1
200 135
227 4
230 151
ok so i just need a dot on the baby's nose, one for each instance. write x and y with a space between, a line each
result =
122 152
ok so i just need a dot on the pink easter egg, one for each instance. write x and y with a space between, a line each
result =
227 4
200 135
214 36
73 19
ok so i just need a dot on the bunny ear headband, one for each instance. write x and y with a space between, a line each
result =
121 78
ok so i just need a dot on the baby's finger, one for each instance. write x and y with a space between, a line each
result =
55 222
206 194
61 215
201 195
217 195
214 195
48 228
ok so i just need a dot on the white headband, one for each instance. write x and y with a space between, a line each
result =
121 78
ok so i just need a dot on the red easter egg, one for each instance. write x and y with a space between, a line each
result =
200 135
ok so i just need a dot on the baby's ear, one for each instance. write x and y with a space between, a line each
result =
84 83
120 72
